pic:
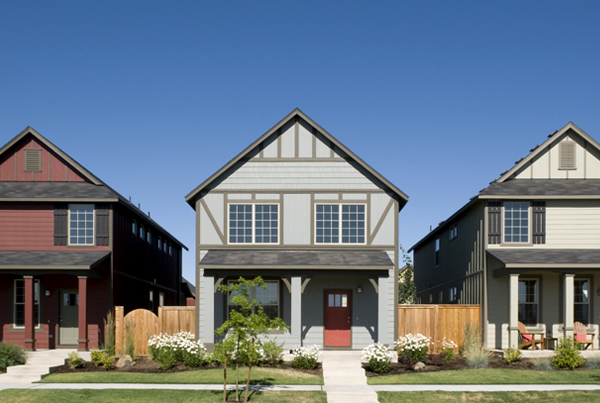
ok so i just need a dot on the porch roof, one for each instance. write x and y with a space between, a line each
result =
51 260
534 258
294 259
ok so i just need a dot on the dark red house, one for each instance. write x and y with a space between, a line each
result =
71 248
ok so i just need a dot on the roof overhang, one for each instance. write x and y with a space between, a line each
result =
515 261
51 260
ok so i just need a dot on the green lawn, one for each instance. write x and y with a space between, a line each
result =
489 397
490 377
150 396
260 376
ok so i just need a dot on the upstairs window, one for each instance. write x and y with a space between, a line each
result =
159 243
148 236
253 223
516 222
81 224
335 228
170 250
141 232
134 227
453 232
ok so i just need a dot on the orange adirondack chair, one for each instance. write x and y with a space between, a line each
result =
529 339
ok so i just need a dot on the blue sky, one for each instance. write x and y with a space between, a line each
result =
438 96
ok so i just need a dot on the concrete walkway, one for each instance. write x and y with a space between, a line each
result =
345 379
39 364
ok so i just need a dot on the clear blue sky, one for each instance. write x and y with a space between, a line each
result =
438 96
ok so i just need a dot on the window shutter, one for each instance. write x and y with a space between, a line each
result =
102 224
494 222
567 155
539 222
60 224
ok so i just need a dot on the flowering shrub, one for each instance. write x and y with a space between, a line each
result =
379 357
414 348
447 353
305 357
181 347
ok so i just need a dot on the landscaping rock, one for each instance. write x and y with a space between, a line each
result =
418 366
124 361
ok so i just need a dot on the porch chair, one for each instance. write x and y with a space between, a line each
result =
581 335
529 339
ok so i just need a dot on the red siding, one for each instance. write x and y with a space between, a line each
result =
53 167
29 226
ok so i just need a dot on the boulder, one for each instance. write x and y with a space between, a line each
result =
124 361
418 366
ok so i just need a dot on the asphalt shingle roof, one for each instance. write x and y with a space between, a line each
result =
546 256
296 258
544 187
71 190
67 259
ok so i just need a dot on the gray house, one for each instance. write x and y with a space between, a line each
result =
526 247
316 222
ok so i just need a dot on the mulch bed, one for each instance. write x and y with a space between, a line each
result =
148 366
496 361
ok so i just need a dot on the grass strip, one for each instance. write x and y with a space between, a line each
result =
151 396
489 397
490 377
260 376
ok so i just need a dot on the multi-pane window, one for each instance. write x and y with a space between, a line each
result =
516 222
582 301
437 252
453 232
81 224
452 294
528 302
19 303
267 298
329 221
253 223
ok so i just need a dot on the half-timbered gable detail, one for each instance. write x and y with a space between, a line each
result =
68 253
305 212
541 226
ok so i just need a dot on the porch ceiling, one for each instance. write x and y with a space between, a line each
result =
297 259
564 260
51 260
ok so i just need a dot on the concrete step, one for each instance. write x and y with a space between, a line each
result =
31 369
352 397
19 378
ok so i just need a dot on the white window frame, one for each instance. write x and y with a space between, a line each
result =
340 212
93 225
15 303
254 204
529 226
589 282
253 295
537 298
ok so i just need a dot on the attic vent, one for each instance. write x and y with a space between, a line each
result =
33 160
567 155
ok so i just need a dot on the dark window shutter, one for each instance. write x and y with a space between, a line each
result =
539 222
494 222
102 211
60 224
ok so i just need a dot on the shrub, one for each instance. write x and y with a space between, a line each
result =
448 347
109 335
165 358
101 358
181 347
512 355
477 358
305 357
472 339
11 354
75 361
413 347
272 352
592 362
567 355
541 364
379 357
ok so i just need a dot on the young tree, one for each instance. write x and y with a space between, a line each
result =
407 291
247 321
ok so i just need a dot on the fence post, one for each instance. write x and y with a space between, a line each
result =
119 331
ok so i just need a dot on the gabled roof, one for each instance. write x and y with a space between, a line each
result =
197 192
91 190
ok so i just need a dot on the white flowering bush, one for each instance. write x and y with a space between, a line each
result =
448 350
414 348
379 357
305 357
181 347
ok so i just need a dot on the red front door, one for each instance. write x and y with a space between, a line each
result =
338 314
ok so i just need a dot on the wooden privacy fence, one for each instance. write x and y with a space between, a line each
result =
144 324
437 322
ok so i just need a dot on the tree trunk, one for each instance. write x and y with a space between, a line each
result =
225 374
249 369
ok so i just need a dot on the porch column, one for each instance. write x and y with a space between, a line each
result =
513 306
207 305
569 305
82 340
296 308
29 323
383 318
